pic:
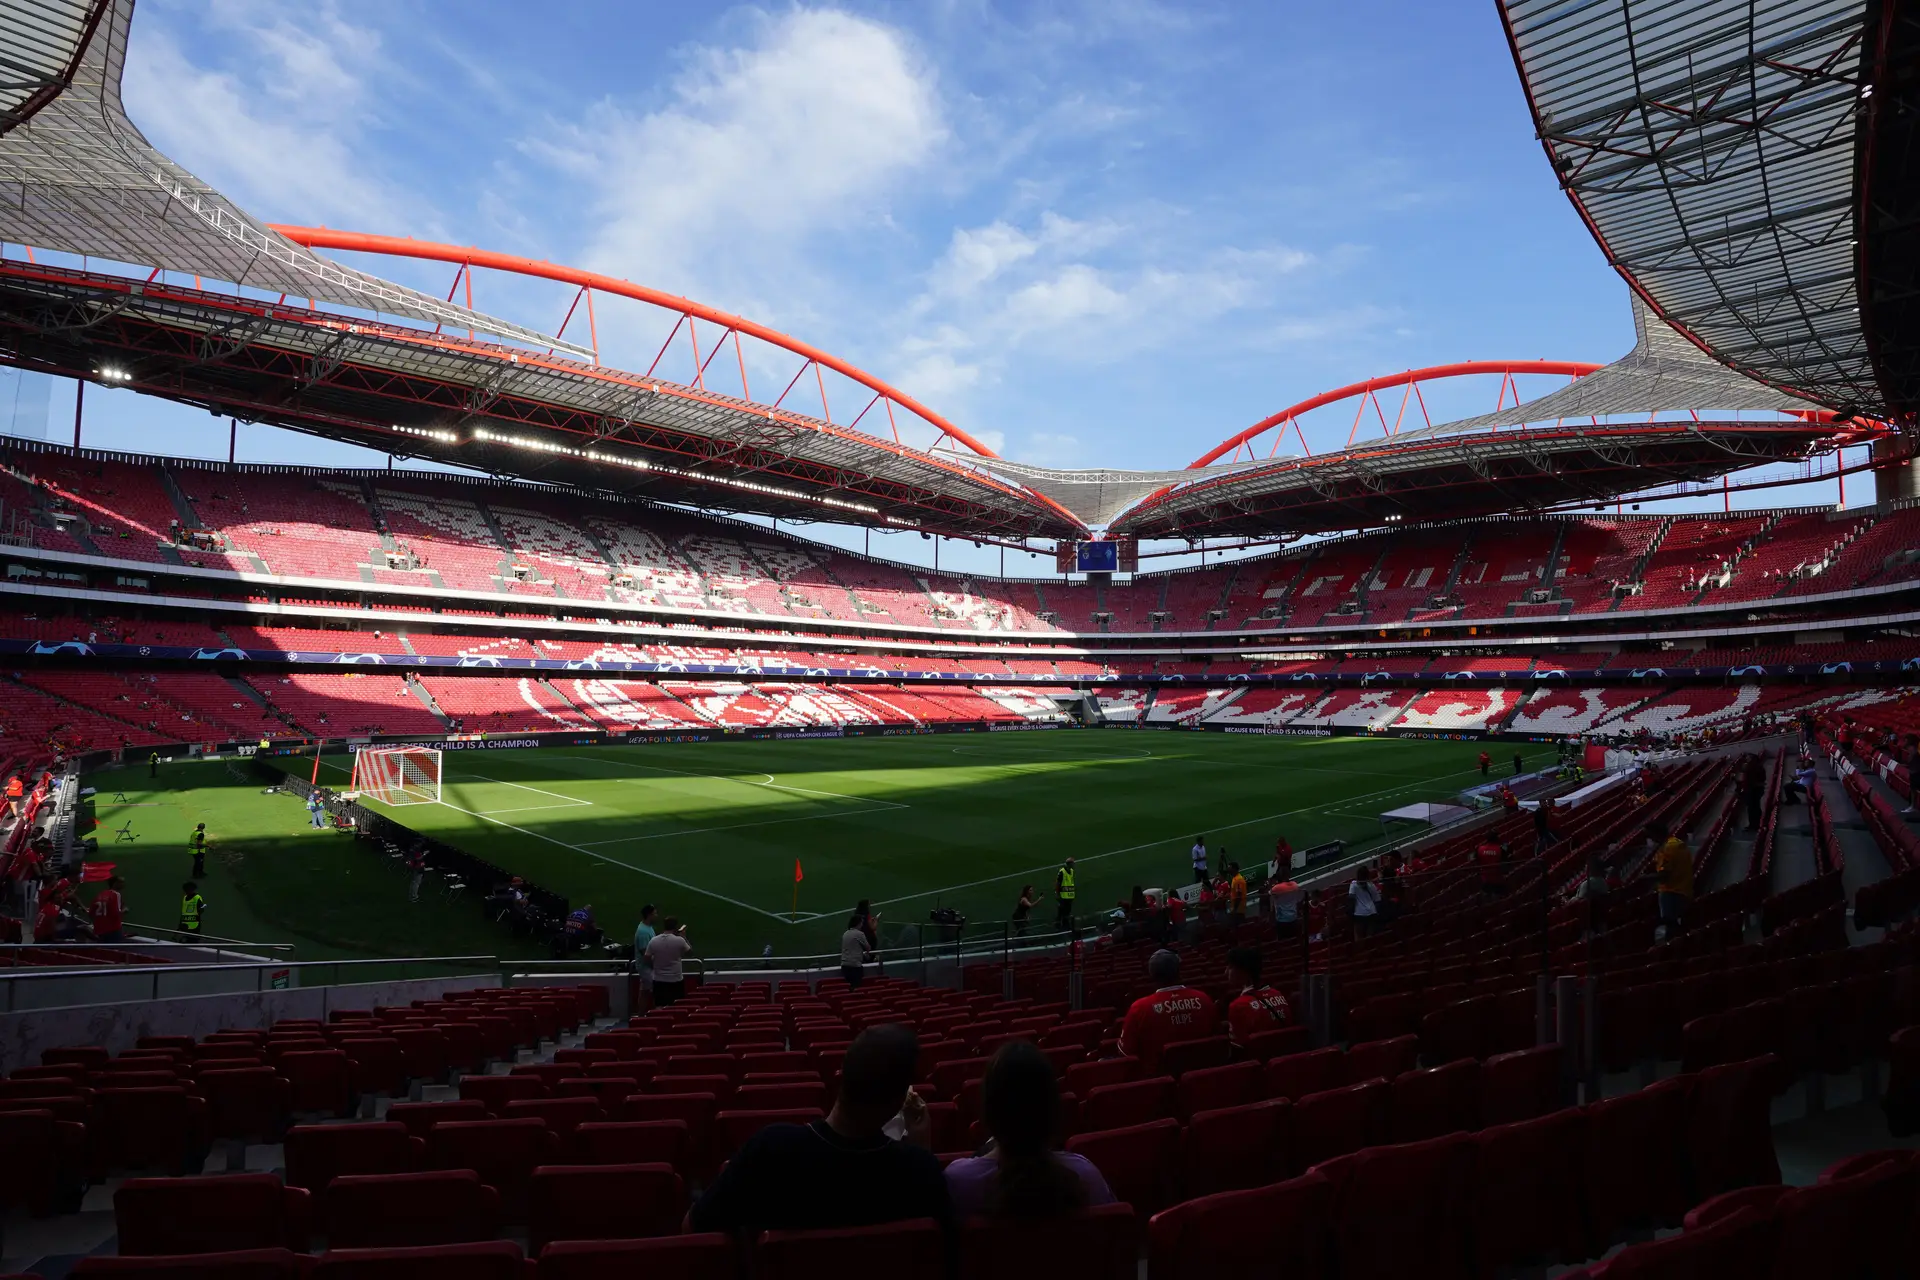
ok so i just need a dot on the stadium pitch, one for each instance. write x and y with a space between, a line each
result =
710 832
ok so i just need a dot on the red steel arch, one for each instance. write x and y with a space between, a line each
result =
1412 377
591 281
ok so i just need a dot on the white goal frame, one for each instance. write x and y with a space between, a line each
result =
397 775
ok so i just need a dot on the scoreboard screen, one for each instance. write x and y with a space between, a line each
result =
1097 557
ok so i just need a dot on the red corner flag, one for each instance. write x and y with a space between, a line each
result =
797 877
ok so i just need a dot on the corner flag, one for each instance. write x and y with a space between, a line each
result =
797 877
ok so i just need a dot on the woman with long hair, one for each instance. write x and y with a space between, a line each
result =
1020 1175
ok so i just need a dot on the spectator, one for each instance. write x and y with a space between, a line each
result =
853 951
1365 896
1236 896
1199 859
1064 895
1753 786
197 846
581 931
1800 786
869 922
1255 1008
109 912
1486 764
1673 877
1282 854
642 964
1174 1013
666 953
1519 764
314 811
16 793
1544 835
1283 899
416 868
843 1171
1592 890
1023 909
1492 857
1020 1175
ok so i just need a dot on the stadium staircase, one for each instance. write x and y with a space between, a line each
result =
426 699
1637 576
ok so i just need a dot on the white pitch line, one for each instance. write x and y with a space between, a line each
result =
464 773
531 808
645 871
769 784
1175 840
736 826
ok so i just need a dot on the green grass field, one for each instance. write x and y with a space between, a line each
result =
710 832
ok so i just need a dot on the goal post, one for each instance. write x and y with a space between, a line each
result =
397 775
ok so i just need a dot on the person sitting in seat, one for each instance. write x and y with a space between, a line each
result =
1174 1013
843 1171
1020 1175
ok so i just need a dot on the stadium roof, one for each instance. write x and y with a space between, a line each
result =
272 331
1715 150
1663 412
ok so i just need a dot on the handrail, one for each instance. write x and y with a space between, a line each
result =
14 978
183 935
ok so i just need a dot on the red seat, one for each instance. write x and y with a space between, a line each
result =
783 1060
316 1154
910 1250
378 1065
1520 1085
1636 1174
87 1055
1192 1055
495 1092
162 1128
1403 1210
481 1260
603 1202
688 1257
1530 1192
1736 1245
424 1052
1237 1147
249 1105
609 1091
1118 1106
1095 1245
391 1210
46 1161
248 1264
1137 1161
731 1129
695 1110
420 1117
1212 1088
152 1042
1083 1078
1384 1058
1879 1189
1274 1230
1297 1075
1279 1043
223 1214
1436 1101
720 1087
319 1080
503 1152
562 1115
780 1097
704 1064
631 1142
1337 1121
1729 1129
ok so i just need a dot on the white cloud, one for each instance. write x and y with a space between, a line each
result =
804 128
279 126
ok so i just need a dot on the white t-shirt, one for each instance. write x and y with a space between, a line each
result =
666 951
1365 897
853 947
1199 857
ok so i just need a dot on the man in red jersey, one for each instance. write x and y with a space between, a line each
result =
109 911
1174 1013
1254 1008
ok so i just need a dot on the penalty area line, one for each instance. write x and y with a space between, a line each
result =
601 857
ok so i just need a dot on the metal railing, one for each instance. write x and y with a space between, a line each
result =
268 975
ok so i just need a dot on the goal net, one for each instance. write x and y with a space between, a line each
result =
398 775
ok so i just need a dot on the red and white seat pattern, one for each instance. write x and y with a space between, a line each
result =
1356 709
1189 706
631 704
1267 708
1122 705
659 577
1572 710
1451 708
1685 709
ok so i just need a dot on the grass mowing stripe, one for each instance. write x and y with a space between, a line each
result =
601 857
720 777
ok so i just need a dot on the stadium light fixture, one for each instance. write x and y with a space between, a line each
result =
113 373
428 433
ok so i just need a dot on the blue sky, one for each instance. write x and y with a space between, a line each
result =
1104 232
